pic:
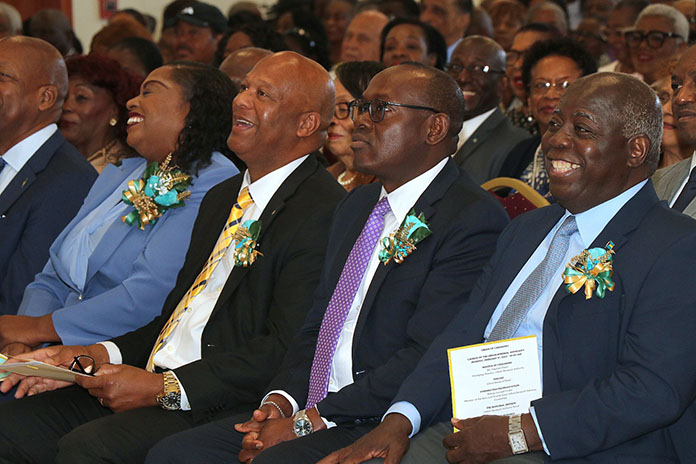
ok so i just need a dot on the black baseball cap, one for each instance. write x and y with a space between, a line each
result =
201 14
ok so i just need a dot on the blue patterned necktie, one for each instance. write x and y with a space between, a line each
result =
532 288
342 300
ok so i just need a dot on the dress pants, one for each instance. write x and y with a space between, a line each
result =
70 426
219 442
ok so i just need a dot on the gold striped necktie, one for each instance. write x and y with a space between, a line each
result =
244 200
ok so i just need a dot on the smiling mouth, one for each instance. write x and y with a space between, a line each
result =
468 93
134 120
561 167
242 123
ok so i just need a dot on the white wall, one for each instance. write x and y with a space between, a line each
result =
86 20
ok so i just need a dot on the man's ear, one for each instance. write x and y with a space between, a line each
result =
438 128
48 96
309 124
639 147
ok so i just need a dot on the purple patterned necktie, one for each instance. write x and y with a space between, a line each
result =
342 300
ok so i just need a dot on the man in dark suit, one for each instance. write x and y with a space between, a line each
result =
487 135
43 179
398 308
226 325
619 375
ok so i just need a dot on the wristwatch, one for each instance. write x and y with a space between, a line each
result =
518 442
170 398
302 425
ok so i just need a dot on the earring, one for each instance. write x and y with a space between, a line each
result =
113 121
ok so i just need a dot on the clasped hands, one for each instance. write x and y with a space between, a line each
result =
267 427
118 387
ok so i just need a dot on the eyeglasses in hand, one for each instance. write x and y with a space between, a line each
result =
376 108
83 364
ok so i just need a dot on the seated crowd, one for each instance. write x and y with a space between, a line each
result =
257 238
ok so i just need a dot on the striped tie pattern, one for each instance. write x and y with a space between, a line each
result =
244 200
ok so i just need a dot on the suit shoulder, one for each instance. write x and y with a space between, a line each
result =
68 161
324 186
679 169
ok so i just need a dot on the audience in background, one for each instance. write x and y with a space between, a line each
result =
673 147
337 16
116 31
137 55
304 33
54 27
362 39
548 12
599 9
590 35
508 18
480 24
240 62
95 115
450 17
257 34
198 27
10 20
621 20
351 81
487 136
688 9
549 68
659 35
412 40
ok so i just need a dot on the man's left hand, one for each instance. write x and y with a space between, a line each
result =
120 387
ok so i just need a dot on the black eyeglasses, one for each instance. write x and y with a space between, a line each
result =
342 110
654 39
83 364
511 56
472 69
375 108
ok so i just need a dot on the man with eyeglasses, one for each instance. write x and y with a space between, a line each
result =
374 313
487 135
621 19
659 35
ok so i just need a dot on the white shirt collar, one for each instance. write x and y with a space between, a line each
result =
451 48
403 198
17 156
471 125
264 188
592 222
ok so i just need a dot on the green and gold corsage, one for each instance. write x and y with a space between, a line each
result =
403 241
245 251
161 188
593 268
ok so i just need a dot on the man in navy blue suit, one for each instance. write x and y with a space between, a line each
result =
335 386
43 179
618 371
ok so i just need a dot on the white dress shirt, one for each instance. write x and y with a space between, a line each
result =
183 346
590 224
401 201
451 48
17 156
683 184
470 126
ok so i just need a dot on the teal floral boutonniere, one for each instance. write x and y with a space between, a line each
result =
245 251
161 188
403 241
593 268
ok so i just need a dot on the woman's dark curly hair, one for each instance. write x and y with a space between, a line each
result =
261 34
107 74
564 47
209 93
355 76
434 40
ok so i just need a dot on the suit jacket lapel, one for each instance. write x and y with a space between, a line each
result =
27 175
270 212
479 135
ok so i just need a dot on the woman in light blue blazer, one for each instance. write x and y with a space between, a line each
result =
112 267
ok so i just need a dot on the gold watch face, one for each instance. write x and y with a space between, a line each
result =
518 442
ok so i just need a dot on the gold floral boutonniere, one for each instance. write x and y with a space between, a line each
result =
592 268
403 241
161 188
245 251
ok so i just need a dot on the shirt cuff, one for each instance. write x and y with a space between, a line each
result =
409 411
285 395
185 405
113 351
327 422
536 423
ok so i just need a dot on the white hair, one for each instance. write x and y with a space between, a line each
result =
14 20
678 20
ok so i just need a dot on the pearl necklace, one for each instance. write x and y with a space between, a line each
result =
341 178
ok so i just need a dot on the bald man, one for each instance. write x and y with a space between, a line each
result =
227 323
240 62
361 41
43 179
397 309
617 368
487 135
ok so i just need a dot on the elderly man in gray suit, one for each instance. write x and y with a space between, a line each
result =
487 136
677 183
